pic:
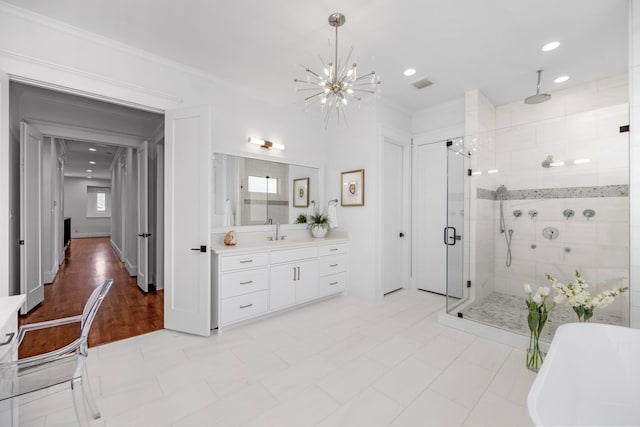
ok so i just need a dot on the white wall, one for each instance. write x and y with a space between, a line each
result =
440 122
358 147
75 206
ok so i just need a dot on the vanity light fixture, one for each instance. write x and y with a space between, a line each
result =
561 79
550 46
266 144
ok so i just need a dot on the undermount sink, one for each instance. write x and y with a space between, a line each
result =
590 377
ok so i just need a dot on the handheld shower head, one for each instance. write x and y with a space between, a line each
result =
501 192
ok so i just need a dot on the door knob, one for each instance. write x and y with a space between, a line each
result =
401 234
202 248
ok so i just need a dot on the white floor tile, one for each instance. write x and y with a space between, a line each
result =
340 362
371 409
350 379
306 409
407 380
431 409
493 411
463 383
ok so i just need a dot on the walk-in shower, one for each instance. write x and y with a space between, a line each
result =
535 213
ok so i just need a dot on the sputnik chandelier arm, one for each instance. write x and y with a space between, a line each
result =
337 85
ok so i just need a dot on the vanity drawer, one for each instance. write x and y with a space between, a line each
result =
290 255
340 248
333 264
333 284
236 262
243 282
243 307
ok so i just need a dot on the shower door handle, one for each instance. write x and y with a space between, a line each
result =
450 236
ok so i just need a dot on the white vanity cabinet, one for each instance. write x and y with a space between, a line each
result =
240 291
333 269
264 279
293 277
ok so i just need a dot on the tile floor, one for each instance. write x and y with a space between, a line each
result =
340 362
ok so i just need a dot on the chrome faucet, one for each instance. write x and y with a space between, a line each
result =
277 229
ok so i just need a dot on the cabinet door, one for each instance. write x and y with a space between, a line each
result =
306 284
283 292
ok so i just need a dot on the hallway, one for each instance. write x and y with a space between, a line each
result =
126 311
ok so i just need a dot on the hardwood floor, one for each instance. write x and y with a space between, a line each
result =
125 312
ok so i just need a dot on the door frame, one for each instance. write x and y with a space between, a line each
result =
404 140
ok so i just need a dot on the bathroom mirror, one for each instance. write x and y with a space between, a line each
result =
250 191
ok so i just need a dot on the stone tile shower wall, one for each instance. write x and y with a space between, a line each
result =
577 123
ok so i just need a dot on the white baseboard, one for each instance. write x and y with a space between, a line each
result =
86 235
50 275
132 269
116 249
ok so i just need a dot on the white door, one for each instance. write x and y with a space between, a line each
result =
187 207
30 217
143 216
392 214
430 217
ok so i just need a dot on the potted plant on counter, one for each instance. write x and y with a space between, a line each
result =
319 225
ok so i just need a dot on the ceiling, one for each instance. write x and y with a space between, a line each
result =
78 158
492 45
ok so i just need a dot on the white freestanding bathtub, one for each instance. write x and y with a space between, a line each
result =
590 377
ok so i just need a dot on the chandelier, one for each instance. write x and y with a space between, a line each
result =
338 84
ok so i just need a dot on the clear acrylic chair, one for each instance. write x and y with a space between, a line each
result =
66 364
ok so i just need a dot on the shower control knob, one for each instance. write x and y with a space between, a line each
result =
550 233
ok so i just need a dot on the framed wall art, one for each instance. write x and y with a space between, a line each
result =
301 193
352 188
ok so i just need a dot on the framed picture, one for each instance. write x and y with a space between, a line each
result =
352 188
301 193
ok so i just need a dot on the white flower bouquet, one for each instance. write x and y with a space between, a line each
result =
579 298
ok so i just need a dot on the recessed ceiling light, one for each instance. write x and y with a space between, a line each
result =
89 170
92 149
561 79
409 72
550 46
92 162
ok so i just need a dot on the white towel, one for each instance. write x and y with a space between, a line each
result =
311 210
228 214
332 215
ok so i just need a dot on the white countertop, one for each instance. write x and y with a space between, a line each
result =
8 306
294 241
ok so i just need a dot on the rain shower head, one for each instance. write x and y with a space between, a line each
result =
538 97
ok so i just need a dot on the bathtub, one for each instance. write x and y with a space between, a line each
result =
590 377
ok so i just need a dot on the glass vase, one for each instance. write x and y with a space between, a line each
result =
535 356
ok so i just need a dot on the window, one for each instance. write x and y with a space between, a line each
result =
101 201
260 184
98 202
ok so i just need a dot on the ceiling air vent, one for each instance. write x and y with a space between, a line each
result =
422 83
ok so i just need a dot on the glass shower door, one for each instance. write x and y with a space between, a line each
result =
457 230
